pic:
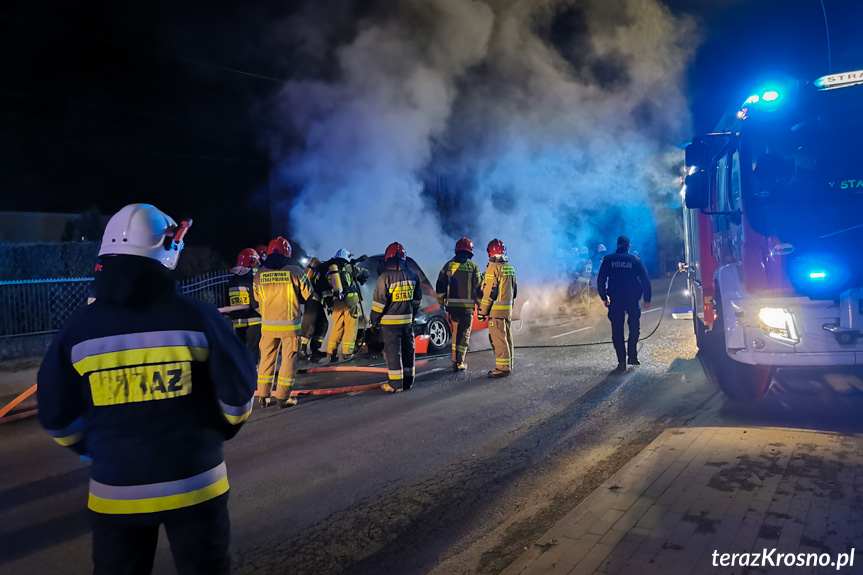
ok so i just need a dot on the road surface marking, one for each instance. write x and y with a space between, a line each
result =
570 332
652 309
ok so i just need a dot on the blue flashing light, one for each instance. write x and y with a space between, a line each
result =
753 99
817 275
770 96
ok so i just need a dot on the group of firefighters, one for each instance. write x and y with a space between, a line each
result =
266 292
149 383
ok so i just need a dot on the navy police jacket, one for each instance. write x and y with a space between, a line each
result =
150 383
622 277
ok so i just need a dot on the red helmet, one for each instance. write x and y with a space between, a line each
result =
394 250
279 245
496 248
248 258
464 245
261 249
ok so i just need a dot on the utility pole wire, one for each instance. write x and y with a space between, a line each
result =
143 50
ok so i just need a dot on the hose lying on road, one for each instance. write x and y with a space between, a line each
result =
665 306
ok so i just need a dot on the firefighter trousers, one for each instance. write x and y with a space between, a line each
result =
315 325
344 328
461 321
617 313
199 536
270 344
251 335
399 354
500 334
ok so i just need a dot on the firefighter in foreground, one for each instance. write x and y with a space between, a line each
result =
344 301
245 316
149 383
458 286
623 279
396 301
315 324
499 290
279 289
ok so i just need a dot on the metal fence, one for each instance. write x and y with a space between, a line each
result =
36 307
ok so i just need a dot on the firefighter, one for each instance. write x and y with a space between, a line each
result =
149 384
315 323
397 299
279 289
245 316
344 301
457 289
623 279
499 290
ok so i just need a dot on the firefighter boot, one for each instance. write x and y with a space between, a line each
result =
290 402
334 357
498 373
262 402
389 389
303 355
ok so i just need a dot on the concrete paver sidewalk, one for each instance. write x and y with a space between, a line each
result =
694 491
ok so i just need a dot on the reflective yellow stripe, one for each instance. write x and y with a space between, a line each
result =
405 321
69 439
155 504
115 359
236 414
141 383
280 328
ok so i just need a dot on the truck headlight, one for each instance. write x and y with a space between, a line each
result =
778 323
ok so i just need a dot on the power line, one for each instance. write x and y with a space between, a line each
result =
130 48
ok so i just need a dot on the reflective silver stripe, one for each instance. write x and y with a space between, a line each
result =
235 410
452 300
377 306
140 340
152 490
394 371
238 288
285 322
406 316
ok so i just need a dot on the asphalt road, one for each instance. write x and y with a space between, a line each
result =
456 476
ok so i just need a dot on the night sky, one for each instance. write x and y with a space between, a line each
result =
104 104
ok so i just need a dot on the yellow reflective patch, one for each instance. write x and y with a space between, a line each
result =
507 271
280 277
240 298
402 293
141 356
141 383
69 440
154 504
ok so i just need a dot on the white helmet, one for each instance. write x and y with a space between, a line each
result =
343 254
600 248
143 230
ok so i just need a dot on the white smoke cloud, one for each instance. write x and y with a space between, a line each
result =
537 116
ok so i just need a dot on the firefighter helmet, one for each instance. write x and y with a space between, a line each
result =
279 245
262 251
600 248
464 245
395 249
248 258
496 248
144 230
343 254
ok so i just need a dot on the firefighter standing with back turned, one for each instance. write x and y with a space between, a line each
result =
150 384
499 290
397 299
246 320
279 289
458 286
315 323
623 279
343 298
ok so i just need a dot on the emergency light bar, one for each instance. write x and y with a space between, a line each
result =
839 80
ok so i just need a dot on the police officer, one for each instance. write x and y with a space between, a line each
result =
395 303
279 289
623 279
499 290
149 383
458 290
244 314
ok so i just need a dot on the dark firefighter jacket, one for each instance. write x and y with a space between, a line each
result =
280 288
499 290
398 295
622 276
240 293
150 383
458 284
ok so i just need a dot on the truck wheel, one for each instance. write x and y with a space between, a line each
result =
736 380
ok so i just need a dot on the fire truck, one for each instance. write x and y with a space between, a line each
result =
773 221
